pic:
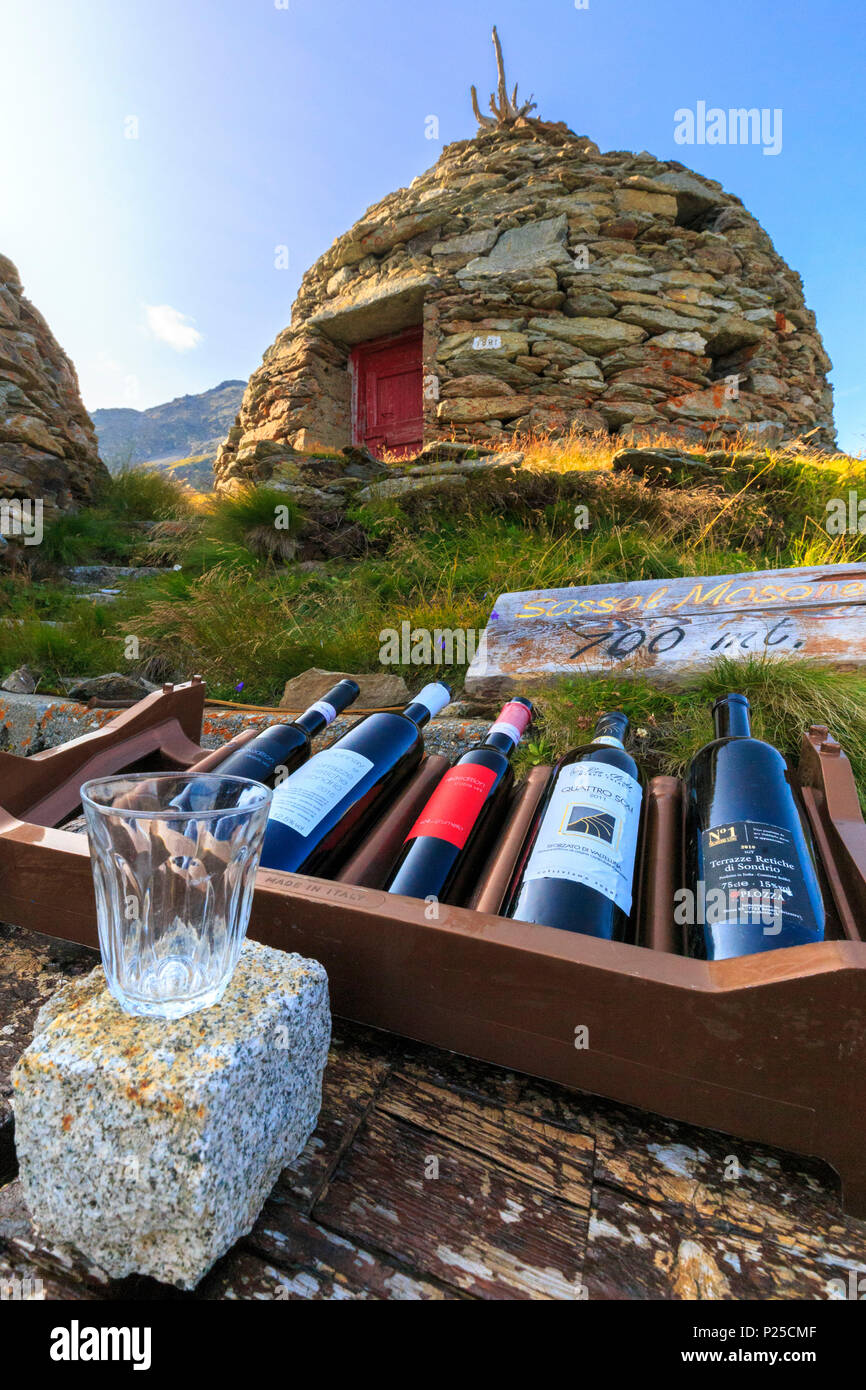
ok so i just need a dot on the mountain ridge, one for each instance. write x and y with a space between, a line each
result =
188 428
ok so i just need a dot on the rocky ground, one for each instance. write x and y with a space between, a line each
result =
328 488
30 723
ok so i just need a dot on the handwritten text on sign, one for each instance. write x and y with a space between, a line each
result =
670 629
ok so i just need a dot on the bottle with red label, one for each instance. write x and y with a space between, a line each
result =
452 826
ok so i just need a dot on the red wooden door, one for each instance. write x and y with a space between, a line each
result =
388 404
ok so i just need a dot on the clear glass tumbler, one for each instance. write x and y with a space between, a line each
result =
174 862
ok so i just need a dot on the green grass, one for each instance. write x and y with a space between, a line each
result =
143 494
261 519
86 644
668 726
110 531
441 560
83 538
19 598
241 612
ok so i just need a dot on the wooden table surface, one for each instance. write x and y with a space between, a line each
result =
431 1176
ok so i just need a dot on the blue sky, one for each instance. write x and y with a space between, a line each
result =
269 123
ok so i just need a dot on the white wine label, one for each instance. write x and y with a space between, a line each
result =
752 875
327 711
305 798
588 833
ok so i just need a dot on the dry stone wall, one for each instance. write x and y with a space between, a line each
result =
48 446
558 287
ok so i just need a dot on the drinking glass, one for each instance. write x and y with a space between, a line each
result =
174 862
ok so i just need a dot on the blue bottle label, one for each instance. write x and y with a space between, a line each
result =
752 876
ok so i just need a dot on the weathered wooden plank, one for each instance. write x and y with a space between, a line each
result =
636 1251
670 629
23 1281
760 1192
358 1063
569 1110
322 1264
242 1277
453 1215
507 1215
550 1159
459 1073
700 1174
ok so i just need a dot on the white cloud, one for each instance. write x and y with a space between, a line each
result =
172 327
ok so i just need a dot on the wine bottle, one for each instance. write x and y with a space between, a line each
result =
451 827
319 813
750 868
277 751
577 868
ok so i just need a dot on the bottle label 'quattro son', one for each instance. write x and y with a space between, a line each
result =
589 831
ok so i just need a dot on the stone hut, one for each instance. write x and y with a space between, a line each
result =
48 447
529 283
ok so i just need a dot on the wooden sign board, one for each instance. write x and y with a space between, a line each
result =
671 629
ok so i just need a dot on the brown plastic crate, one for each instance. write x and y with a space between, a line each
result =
770 1047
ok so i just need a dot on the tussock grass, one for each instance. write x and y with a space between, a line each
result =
111 530
240 611
441 563
85 644
171 542
137 494
247 518
668 726
578 449
230 532
439 558
82 538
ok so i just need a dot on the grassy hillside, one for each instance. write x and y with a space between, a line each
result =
196 471
248 620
